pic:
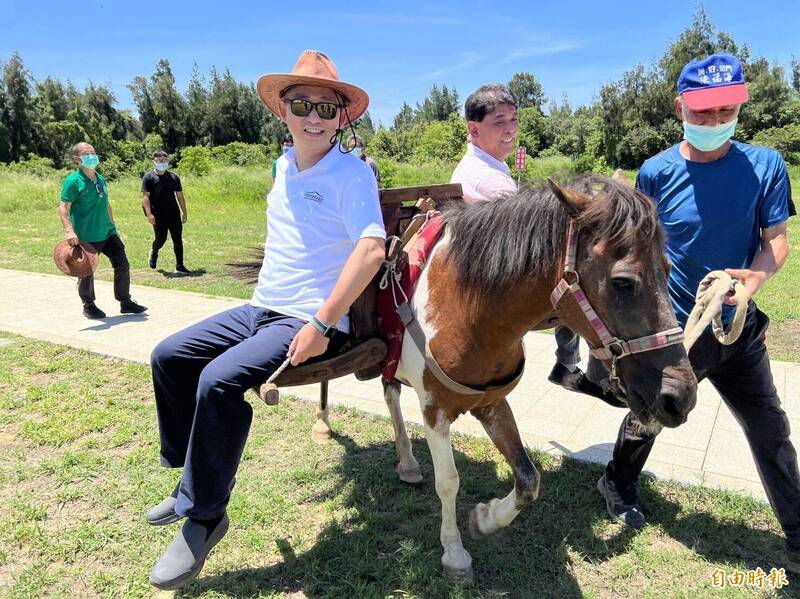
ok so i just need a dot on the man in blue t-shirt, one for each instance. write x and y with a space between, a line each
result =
723 205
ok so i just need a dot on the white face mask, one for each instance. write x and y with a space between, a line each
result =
708 138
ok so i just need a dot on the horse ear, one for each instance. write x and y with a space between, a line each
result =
573 201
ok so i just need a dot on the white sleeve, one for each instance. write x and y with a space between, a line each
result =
361 208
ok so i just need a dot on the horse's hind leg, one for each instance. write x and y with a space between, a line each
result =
407 466
498 420
456 561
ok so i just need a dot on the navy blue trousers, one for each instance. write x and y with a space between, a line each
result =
200 376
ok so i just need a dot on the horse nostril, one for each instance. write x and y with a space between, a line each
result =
672 404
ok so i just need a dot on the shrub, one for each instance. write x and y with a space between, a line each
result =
784 139
112 168
442 140
238 153
196 160
638 144
32 165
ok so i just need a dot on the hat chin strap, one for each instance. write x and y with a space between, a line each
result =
339 130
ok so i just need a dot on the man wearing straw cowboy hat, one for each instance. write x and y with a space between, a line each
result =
86 215
325 243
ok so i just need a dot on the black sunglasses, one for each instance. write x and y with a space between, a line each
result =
325 110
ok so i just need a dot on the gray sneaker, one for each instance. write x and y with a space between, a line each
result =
185 556
163 513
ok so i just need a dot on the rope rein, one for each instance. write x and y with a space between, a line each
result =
710 296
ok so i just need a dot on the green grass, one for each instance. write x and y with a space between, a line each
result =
79 468
227 219
226 208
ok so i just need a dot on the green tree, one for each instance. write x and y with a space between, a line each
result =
169 107
795 70
438 105
18 115
140 92
527 90
533 130
196 109
404 118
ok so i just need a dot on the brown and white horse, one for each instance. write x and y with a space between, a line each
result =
489 281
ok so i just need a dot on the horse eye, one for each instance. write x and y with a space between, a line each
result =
623 284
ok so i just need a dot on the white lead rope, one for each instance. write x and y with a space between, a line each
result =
711 294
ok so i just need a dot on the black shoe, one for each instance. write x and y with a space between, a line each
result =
561 375
91 310
182 270
131 307
622 507
152 258
578 381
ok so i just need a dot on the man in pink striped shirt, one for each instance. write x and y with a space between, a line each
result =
491 113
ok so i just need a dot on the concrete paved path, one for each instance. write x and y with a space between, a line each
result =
710 448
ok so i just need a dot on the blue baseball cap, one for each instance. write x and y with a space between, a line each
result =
714 81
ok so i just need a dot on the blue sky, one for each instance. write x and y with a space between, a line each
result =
396 51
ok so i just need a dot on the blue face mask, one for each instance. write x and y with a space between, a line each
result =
90 161
357 152
161 166
286 149
708 138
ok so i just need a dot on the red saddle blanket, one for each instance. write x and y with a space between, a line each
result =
389 323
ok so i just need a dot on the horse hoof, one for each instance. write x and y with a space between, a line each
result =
411 476
479 511
461 575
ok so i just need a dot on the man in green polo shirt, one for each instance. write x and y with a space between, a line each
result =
86 215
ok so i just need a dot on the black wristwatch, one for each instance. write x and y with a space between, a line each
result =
322 327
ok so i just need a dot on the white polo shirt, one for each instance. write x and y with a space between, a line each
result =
314 220
482 176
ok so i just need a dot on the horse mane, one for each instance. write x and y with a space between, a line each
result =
495 245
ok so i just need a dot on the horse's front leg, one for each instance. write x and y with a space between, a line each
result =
499 423
456 561
407 466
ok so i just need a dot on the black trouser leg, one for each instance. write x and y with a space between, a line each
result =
115 250
160 229
745 384
633 446
176 233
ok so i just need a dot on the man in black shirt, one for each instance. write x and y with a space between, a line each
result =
160 190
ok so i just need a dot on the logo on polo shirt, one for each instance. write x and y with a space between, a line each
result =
314 196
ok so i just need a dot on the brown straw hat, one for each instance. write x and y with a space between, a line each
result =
312 68
76 261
